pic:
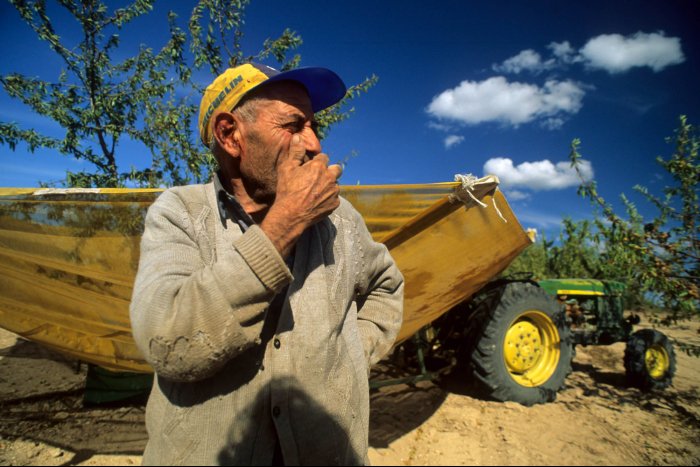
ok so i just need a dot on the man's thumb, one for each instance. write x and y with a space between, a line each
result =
297 151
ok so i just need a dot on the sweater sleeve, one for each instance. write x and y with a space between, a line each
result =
188 317
380 295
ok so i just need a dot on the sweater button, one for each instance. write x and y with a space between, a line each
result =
276 411
278 344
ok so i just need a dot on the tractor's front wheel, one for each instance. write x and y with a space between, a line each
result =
650 361
522 346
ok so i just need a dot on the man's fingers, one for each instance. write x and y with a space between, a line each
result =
297 154
321 158
297 151
336 170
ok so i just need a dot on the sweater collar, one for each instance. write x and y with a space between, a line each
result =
229 207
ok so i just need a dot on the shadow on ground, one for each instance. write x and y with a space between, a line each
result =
43 402
612 389
399 409
26 349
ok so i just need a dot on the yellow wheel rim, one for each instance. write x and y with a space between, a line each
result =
657 361
532 348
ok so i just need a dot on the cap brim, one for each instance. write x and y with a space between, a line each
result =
325 88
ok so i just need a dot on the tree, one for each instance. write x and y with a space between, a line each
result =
662 255
532 262
96 101
573 255
148 98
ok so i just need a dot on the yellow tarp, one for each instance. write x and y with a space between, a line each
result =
68 258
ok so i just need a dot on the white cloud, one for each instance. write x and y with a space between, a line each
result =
527 60
453 140
615 53
497 100
440 127
563 52
517 195
530 60
537 176
611 52
553 123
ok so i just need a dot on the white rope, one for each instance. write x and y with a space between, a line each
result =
468 184
65 191
495 206
465 192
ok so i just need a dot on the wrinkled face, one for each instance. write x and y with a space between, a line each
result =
284 111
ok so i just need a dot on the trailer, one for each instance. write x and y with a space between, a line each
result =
68 258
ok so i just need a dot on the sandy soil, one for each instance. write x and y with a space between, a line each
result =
596 420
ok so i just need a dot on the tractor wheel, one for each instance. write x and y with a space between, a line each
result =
521 346
650 361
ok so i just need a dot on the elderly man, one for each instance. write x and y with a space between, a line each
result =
261 300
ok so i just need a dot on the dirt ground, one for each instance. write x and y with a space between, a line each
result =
596 419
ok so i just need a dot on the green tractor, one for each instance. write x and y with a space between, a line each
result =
515 339
595 311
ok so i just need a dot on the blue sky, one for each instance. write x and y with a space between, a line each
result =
464 87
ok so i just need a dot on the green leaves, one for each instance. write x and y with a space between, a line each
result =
224 17
11 135
125 15
97 101
659 256
574 156
278 48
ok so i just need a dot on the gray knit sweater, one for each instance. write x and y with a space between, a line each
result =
233 378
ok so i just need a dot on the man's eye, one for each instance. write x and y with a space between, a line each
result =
296 127
300 125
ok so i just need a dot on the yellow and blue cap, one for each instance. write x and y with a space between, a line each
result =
325 88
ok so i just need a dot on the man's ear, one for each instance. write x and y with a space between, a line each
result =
226 132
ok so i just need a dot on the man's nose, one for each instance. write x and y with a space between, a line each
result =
311 142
